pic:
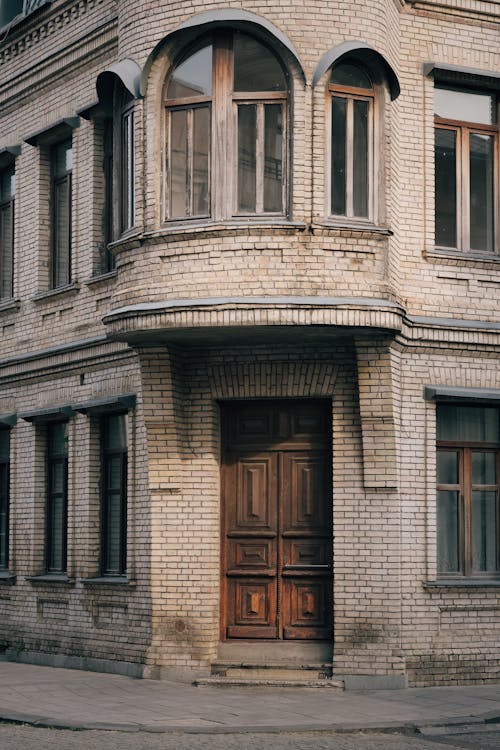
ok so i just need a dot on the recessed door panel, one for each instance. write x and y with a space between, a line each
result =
277 531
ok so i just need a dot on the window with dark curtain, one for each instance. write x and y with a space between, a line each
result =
4 497
7 194
61 170
113 494
57 497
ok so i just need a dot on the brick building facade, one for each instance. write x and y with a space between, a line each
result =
249 382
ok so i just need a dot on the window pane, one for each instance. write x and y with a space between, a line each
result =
447 467
57 476
6 250
360 159
484 468
57 439
114 472
348 74
201 142
116 433
446 187
4 497
447 531
113 538
61 259
179 176
484 532
465 105
4 445
247 175
62 159
273 157
56 532
339 110
193 77
7 185
9 9
255 67
481 191
468 423
127 198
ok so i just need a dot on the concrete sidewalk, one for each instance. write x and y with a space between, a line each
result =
75 699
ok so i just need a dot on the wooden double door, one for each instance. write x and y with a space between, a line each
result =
277 520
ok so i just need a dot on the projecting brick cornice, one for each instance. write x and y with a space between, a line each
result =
178 318
32 31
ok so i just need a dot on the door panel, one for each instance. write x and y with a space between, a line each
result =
277 529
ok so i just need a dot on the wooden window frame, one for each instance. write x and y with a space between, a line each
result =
107 259
465 488
105 455
126 139
5 500
7 209
57 180
464 129
351 94
51 460
223 137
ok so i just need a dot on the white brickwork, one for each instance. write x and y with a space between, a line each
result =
298 307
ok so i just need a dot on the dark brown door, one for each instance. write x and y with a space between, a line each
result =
277 520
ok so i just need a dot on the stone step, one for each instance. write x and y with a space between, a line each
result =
219 681
271 670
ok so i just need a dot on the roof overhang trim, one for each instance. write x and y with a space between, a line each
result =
447 73
459 393
107 404
50 414
53 133
8 420
127 71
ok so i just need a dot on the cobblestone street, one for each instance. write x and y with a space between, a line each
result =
32 738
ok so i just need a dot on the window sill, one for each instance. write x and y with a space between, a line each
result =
473 583
462 257
51 578
7 305
60 290
7 578
185 230
108 581
101 278
353 229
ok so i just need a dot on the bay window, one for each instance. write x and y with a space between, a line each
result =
226 112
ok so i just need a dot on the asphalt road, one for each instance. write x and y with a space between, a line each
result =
33 738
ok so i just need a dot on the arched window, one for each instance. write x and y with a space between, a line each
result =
352 134
225 131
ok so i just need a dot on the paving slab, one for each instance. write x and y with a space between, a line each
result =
69 698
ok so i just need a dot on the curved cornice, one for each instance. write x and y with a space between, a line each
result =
133 322
372 57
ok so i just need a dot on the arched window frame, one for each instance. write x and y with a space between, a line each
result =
352 94
223 105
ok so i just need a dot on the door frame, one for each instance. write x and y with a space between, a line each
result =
223 545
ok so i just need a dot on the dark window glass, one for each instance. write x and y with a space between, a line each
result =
247 161
114 495
193 76
4 497
339 164
62 165
57 497
7 194
127 197
446 187
468 541
108 259
481 191
273 157
256 67
348 74
360 159
9 9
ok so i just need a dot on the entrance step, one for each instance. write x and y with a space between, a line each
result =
283 652
254 682
293 672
